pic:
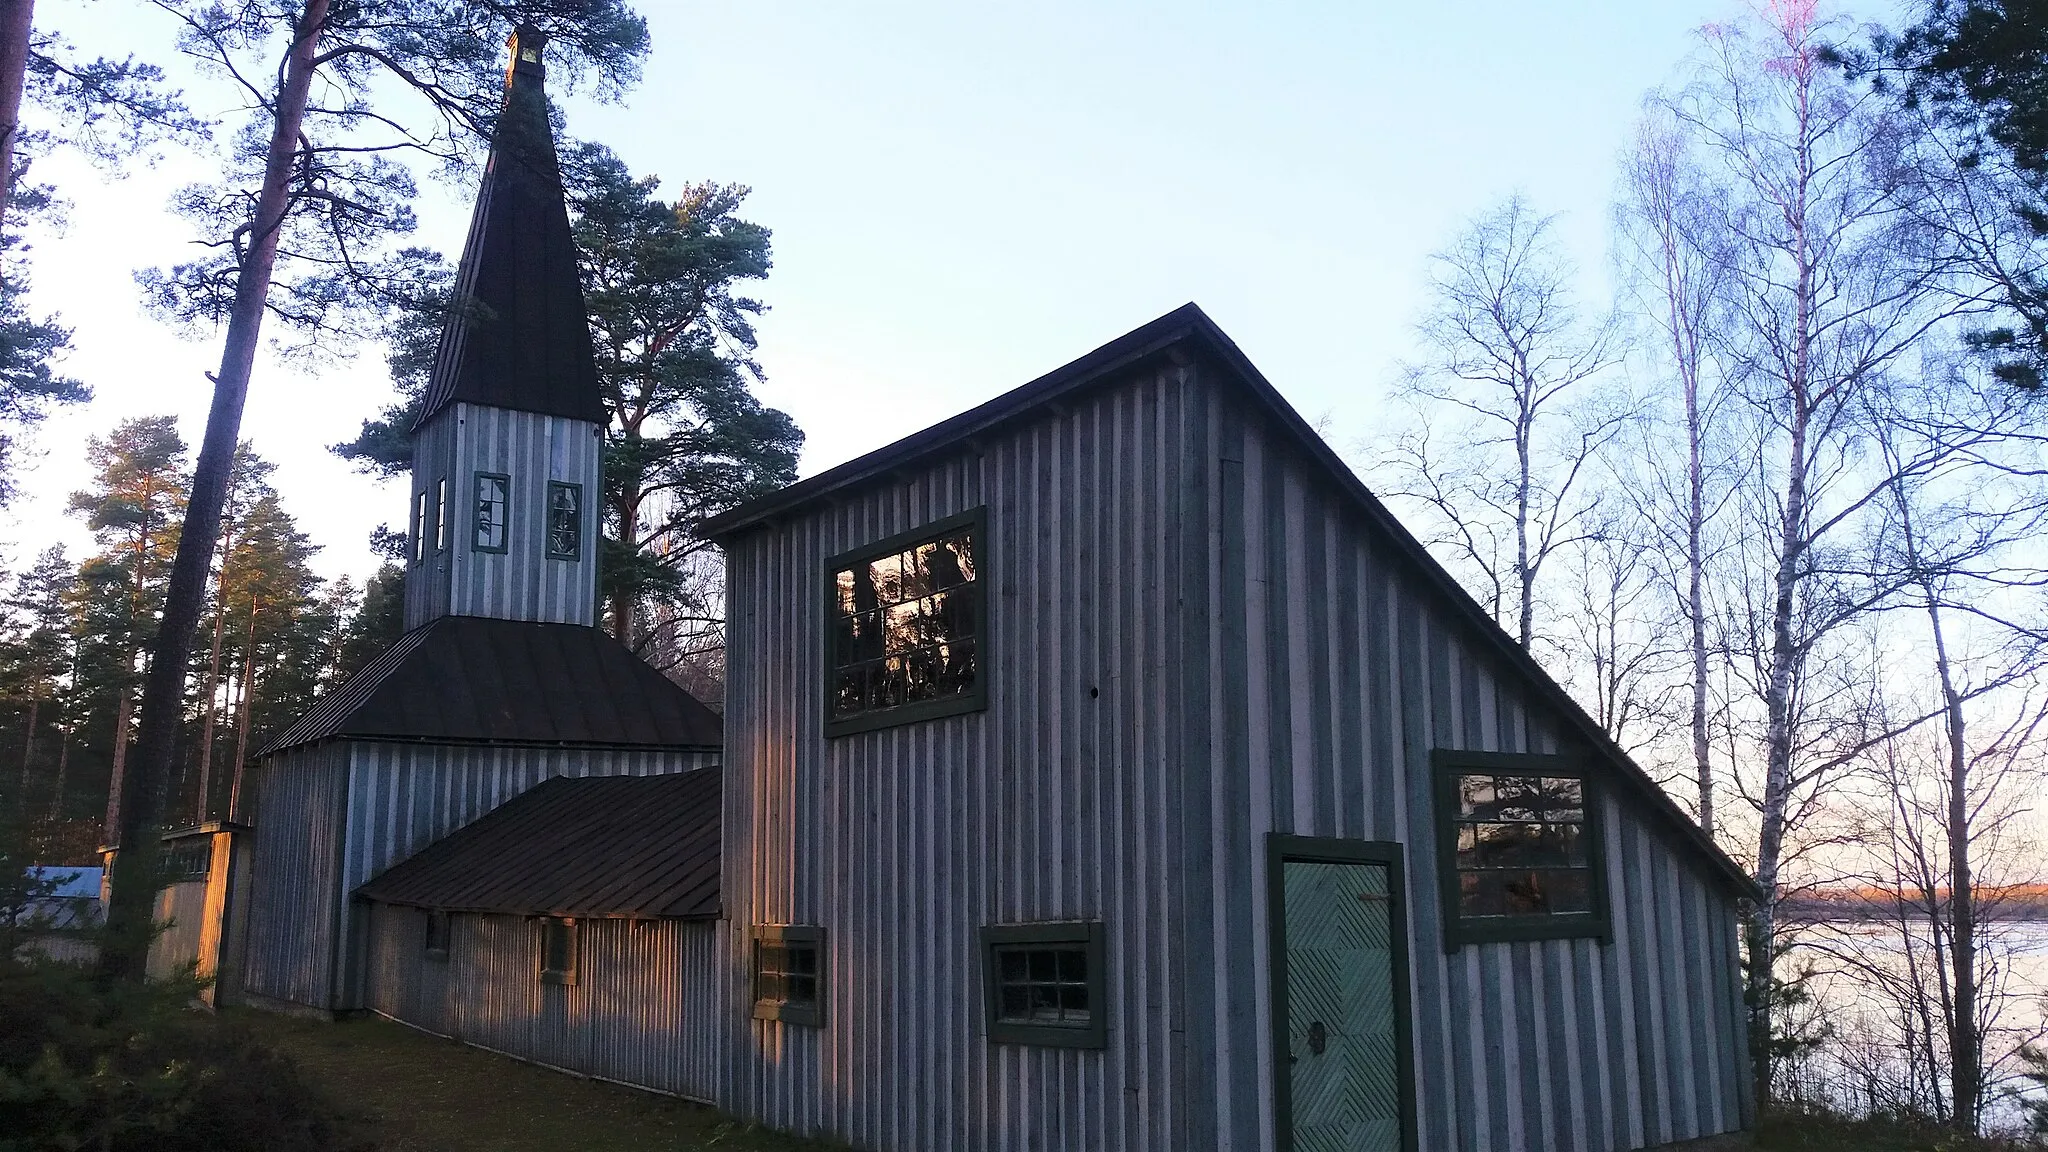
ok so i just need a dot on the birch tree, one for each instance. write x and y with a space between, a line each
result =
1506 416
1827 284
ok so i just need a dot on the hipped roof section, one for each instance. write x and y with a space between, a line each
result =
517 335
635 847
479 680
1188 332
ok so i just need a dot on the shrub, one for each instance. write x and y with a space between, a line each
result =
87 1063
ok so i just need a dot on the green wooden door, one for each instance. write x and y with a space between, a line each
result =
1343 1064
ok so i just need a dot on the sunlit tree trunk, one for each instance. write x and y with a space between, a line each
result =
17 21
131 894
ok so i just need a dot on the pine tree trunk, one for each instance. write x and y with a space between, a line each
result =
131 894
242 722
28 750
119 778
63 769
17 21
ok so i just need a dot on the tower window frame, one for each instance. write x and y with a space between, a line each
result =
552 534
441 514
479 505
419 526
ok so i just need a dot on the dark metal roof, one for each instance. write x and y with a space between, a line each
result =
638 847
475 679
1187 332
517 335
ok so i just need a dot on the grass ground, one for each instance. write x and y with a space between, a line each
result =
1806 1132
410 1092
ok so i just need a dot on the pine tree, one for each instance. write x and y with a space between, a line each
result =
35 658
133 508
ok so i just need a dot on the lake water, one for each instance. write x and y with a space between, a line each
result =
1865 972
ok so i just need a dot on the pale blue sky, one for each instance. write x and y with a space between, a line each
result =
965 196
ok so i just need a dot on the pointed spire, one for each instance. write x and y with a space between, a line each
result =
517 335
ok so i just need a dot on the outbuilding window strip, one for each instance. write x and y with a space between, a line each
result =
558 951
1519 848
1045 984
436 937
908 636
788 972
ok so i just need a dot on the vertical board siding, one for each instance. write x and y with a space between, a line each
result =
334 815
523 582
183 905
294 871
1056 803
1333 675
643 1010
1195 642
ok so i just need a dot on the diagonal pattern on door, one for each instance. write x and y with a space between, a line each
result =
1344 1086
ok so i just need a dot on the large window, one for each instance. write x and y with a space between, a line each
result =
789 971
558 951
565 520
1045 984
908 632
1519 842
491 511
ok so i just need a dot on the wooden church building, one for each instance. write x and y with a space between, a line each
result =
1102 768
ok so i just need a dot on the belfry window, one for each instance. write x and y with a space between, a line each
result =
441 514
419 527
565 520
491 509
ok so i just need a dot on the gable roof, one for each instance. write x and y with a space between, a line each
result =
481 680
639 847
517 335
1187 330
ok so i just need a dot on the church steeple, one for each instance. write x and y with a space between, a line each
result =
518 336
508 449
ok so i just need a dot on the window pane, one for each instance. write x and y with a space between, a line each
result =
489 507
803 958
1475 795
843 582
1073 964
1565 797
1074 1003
1016 1002
1044 966
1045 1002
888 577
1569 890
802 989
1517 798
1011 964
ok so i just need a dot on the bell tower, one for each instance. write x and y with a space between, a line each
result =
507 453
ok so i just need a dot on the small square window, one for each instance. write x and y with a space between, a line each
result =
491 512
565 520
1045 984
437 935
789 974
558 951
1519 846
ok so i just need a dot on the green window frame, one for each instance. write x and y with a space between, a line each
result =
787 969
435 939
490 510
565 516
1044 983
936 662
559 941
1520 848
419 526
